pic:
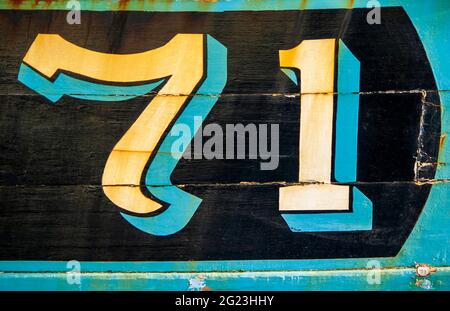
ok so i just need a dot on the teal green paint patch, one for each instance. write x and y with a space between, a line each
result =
429 242
66 85
291 74
358 219
346 280
443 171
182 205
346 152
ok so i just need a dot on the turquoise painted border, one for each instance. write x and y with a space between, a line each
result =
428 243
396 280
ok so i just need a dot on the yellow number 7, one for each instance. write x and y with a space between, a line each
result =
187 62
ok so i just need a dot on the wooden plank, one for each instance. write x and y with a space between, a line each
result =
88 171
69 142
249 226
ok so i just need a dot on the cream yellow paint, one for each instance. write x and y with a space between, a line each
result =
316 61
314 197
181 59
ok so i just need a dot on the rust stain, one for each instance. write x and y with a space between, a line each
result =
425 284
123 4
442 141
205 4
304 4
424 270
350 4
15 3
47 2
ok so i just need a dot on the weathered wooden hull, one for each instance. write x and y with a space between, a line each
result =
83 182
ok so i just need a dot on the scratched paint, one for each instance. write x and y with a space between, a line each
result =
426 244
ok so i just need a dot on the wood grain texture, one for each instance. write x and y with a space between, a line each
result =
54 154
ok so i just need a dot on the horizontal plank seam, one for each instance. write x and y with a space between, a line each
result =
381 92
243 183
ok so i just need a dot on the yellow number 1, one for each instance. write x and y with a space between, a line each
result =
316 61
